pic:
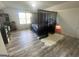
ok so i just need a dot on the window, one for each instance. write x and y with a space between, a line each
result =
28 17
25 18
22 18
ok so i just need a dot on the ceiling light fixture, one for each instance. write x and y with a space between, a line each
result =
33 5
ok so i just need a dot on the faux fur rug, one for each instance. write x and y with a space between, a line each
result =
52 39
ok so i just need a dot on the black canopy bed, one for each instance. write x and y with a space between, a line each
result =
44 23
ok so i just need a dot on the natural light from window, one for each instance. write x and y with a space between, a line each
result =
25 18
28 17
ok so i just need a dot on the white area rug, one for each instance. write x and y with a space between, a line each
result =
52 39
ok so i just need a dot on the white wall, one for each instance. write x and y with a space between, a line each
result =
2 5
13 14
68 18
3 50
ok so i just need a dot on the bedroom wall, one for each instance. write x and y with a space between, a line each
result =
68 17
1 5
69 20
13 14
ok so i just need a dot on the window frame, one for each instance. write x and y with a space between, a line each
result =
25 18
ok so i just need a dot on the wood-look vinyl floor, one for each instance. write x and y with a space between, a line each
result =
25 44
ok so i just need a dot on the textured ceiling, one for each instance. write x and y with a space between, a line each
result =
27 4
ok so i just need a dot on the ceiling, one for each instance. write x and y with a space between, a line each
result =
27 5
67 5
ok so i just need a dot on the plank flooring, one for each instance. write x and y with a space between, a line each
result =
26 44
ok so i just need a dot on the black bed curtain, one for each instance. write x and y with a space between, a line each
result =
47 18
